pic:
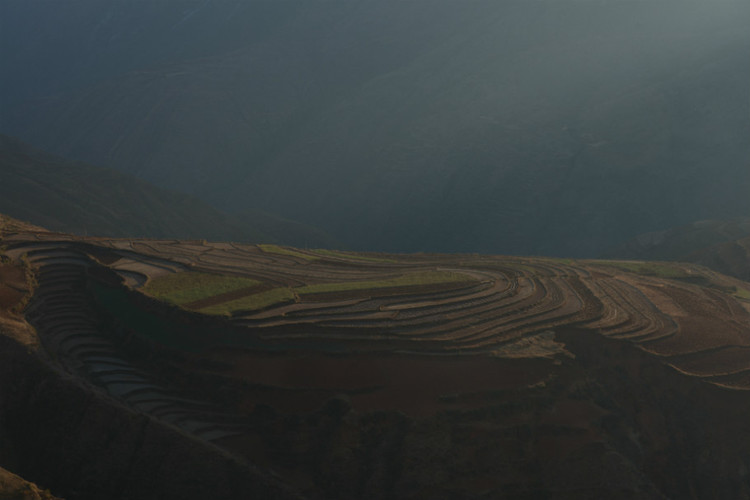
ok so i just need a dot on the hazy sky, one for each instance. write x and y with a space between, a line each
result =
529 126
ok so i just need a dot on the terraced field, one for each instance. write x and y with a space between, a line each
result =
425 304
297 330
63 313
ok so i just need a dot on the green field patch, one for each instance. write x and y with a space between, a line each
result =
186 287
189 287
342 255
742 293
252 302
279 250
411 279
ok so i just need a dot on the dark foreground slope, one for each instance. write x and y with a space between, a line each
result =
68 196
13 487
59 431
371 376
488 126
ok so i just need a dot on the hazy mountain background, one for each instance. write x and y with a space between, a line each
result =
720 245
67 196
559 127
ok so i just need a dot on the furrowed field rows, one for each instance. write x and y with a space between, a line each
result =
430 304
69 327
382 304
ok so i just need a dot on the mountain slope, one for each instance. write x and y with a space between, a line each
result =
732 258
720 245
75 197
420 377
422 125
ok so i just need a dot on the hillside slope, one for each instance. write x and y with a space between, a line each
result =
721 245
73 197
13 487
421 125
732 258
217 368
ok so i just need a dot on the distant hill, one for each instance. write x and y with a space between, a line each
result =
732 258
74 197
721 245
546 127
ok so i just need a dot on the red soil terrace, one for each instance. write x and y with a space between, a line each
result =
307 385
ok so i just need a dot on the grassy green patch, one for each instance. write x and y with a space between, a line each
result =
252 302
657 269
343 255
411 279
186 287
286 251
742 293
